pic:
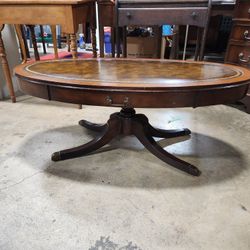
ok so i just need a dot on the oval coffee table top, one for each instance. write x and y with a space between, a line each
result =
134 82
134 73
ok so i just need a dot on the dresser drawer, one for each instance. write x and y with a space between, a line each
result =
160 16
241 32
242 10
238 54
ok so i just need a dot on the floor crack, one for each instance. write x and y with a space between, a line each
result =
21 181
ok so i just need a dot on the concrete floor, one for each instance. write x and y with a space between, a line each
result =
122 198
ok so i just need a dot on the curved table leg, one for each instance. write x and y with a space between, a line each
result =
162 133
127 122
111 130
92 126
151 145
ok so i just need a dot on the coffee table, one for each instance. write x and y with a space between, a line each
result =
131 84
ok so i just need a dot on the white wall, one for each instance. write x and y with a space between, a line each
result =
11 47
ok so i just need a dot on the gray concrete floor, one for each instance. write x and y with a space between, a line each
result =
122 198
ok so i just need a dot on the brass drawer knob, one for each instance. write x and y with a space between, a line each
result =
246 33
243 59
128 14
194 15
110 102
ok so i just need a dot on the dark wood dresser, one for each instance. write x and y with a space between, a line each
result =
238 51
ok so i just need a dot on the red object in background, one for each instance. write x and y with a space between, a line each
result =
65 55
107 29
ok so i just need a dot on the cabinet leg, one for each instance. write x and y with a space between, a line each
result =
101 40
246 102
6 69
113 41
93 39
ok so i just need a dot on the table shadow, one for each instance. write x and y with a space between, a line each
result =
126 163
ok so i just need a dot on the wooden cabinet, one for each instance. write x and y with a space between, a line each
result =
238 54
241 31
238 51
242 9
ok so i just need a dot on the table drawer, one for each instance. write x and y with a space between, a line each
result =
241 32
238 55
106 13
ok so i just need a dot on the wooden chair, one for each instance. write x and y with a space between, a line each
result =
22 41
33 39
159 12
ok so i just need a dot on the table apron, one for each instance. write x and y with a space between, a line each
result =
68 16
135 98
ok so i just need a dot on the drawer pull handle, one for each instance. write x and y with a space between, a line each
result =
242 59
128 15
194 15
249 11
110 102
246 33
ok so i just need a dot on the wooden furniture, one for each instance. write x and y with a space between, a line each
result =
223 8
67 13
106 18
34 42
5 65
133 84
177 12
106 9
238 51
23 42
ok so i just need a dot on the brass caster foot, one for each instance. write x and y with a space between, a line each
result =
56 156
